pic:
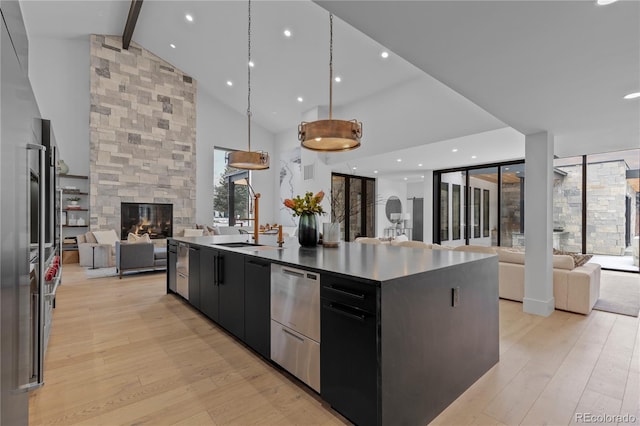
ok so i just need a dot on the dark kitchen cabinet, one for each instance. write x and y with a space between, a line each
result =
208 285
257 302
349 368
229 273
194 276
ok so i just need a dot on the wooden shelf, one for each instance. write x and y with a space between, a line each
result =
72 192
75 226
75 210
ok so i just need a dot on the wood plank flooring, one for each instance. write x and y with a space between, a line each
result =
124 352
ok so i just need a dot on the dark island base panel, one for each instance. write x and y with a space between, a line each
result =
394 351
433 351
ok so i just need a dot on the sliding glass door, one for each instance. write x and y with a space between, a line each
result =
480 205
353 206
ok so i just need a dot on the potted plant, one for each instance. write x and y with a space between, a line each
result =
73 200
307 208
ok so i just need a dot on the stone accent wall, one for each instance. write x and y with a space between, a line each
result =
510 213
607 190
143 133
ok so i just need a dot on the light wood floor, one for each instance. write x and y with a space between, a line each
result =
124 352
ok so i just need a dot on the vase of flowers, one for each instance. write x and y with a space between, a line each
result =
307 208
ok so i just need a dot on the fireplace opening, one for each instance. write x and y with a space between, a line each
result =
154 219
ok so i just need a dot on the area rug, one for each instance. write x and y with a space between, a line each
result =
619 293
100 272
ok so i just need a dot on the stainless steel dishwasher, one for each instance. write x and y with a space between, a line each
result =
295 322
182 269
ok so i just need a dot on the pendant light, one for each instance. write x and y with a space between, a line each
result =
248 160
330 135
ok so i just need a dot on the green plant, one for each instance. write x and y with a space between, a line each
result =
73 199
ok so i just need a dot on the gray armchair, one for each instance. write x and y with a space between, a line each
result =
139 256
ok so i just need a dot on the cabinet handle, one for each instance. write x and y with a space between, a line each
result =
262 265
337 310
220 264
359 296
294 273
284 330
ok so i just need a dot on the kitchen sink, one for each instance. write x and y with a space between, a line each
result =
237 244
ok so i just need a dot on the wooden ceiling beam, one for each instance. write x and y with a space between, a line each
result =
134 11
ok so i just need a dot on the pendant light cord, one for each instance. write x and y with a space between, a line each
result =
330 65
249 79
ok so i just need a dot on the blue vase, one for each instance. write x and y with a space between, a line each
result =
308 230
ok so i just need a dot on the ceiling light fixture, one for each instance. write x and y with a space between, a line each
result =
287 33
399 160
300 99
330 135
338 79
605 2
375 171
384 55
406 178
474 157
454 150
173 46
189 17
354 168
248 160
251 64
632 95
229 83
420 165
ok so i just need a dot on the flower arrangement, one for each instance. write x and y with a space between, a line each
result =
310 204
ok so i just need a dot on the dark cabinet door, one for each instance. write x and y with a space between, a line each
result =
257 303
230 278
194 277
349 362
208 285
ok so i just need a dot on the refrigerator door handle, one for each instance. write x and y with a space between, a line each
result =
38 339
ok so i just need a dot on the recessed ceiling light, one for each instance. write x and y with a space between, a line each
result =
375 171
188 17
506 168
300 99
422 176
338 79
287 33
229 83
473 156
606 2
632 95
454 150
420 165
251 64
384 55
406 178
173 46
354 168
399 160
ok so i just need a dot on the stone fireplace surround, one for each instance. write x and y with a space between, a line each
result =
142 126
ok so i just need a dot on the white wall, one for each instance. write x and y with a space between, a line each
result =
218 125
59 75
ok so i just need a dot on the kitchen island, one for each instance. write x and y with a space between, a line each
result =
403 331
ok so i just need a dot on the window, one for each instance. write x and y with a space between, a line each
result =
476 212
226 193
353 206
485 212
444 211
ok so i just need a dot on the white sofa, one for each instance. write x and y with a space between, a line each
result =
575 289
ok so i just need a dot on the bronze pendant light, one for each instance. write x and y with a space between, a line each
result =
330 135
248 160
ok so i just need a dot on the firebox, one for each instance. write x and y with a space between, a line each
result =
154 219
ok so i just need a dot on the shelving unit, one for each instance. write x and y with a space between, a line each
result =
73 185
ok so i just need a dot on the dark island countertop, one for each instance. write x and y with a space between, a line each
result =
378 263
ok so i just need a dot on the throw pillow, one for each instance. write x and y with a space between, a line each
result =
133 238
106 237
90 238
193 232
578 258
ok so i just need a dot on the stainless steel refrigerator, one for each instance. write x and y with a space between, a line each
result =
28 223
